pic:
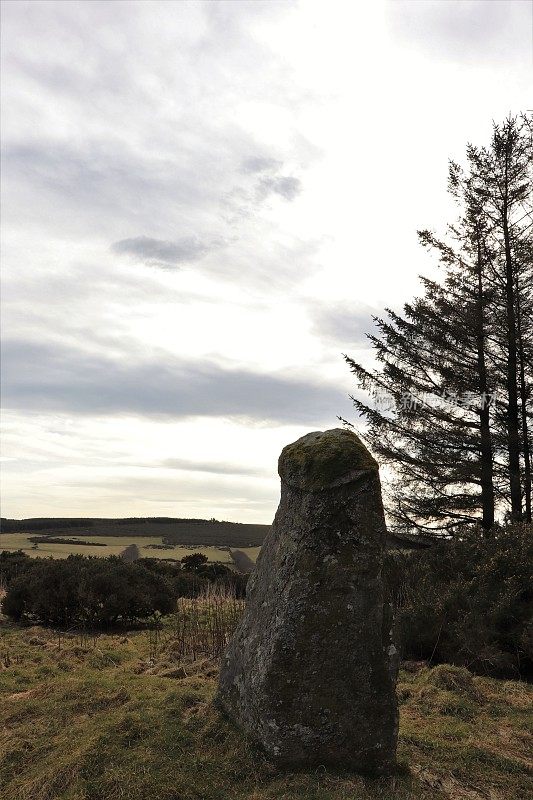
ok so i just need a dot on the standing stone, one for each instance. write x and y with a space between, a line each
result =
310 672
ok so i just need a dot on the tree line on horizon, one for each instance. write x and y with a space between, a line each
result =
450 405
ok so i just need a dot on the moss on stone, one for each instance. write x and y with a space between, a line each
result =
322 459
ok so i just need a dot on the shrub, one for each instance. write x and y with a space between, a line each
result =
194 562
87 591
12 564
17 599
468 601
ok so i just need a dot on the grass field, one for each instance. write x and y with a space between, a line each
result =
114 546
196 532
118 717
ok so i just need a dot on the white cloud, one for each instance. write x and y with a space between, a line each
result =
274 160
467 31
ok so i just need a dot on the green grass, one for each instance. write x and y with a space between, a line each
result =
114 546
98 719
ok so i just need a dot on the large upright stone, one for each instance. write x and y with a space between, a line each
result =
310 672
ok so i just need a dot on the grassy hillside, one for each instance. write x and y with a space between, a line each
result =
149 546
123 716
156 537
176 531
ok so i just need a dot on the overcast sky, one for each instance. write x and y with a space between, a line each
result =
203 205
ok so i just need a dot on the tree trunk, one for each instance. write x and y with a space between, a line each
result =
523 408
487 486
513 439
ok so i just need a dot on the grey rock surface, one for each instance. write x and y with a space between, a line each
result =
310 672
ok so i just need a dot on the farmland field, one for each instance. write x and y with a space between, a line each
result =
113 546
188 532
156 537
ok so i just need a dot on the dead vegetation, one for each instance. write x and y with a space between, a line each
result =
131 716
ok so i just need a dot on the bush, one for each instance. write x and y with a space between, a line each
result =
468 601
88 592
95 592
17 599
12 564
194 561
192 576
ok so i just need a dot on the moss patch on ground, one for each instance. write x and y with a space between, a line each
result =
113 717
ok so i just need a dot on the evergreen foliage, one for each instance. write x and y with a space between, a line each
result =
450 407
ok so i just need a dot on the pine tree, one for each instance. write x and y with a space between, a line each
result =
501 178
435 429
467 339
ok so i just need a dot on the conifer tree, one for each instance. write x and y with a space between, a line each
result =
455 368
501 178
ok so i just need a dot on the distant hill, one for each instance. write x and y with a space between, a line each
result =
174 530
193 532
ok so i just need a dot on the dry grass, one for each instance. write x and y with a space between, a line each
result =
203 626
111 716
114 546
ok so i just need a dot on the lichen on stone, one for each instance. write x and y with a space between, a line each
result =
323 459
310 672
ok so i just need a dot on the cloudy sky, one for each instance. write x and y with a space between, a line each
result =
203 205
